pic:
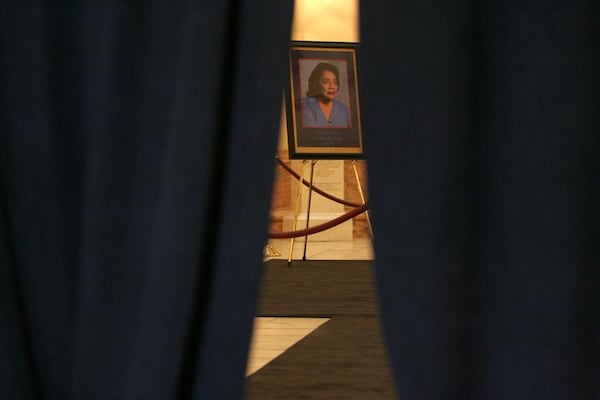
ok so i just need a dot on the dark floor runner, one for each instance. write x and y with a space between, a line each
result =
345 357
317 288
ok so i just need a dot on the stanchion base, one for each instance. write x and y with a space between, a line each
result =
270 251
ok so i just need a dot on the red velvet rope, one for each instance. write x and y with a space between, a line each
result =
316 189
319 228
358 209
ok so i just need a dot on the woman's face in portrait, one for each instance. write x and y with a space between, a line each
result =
329 85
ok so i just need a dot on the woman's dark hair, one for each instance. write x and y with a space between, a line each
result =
314 81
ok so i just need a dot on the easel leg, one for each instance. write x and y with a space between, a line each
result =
362 198
298 202
310 185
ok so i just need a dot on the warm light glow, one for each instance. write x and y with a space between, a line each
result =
326 20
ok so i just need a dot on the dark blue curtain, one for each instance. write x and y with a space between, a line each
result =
481 124
136 155
136 160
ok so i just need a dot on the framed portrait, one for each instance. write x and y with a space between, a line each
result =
322 102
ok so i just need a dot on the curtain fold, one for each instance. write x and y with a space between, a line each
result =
137 155
481 127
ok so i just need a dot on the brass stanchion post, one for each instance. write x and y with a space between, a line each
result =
362 198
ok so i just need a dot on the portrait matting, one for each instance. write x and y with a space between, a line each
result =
322 101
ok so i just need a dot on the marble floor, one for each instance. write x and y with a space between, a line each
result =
357 249
274 335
